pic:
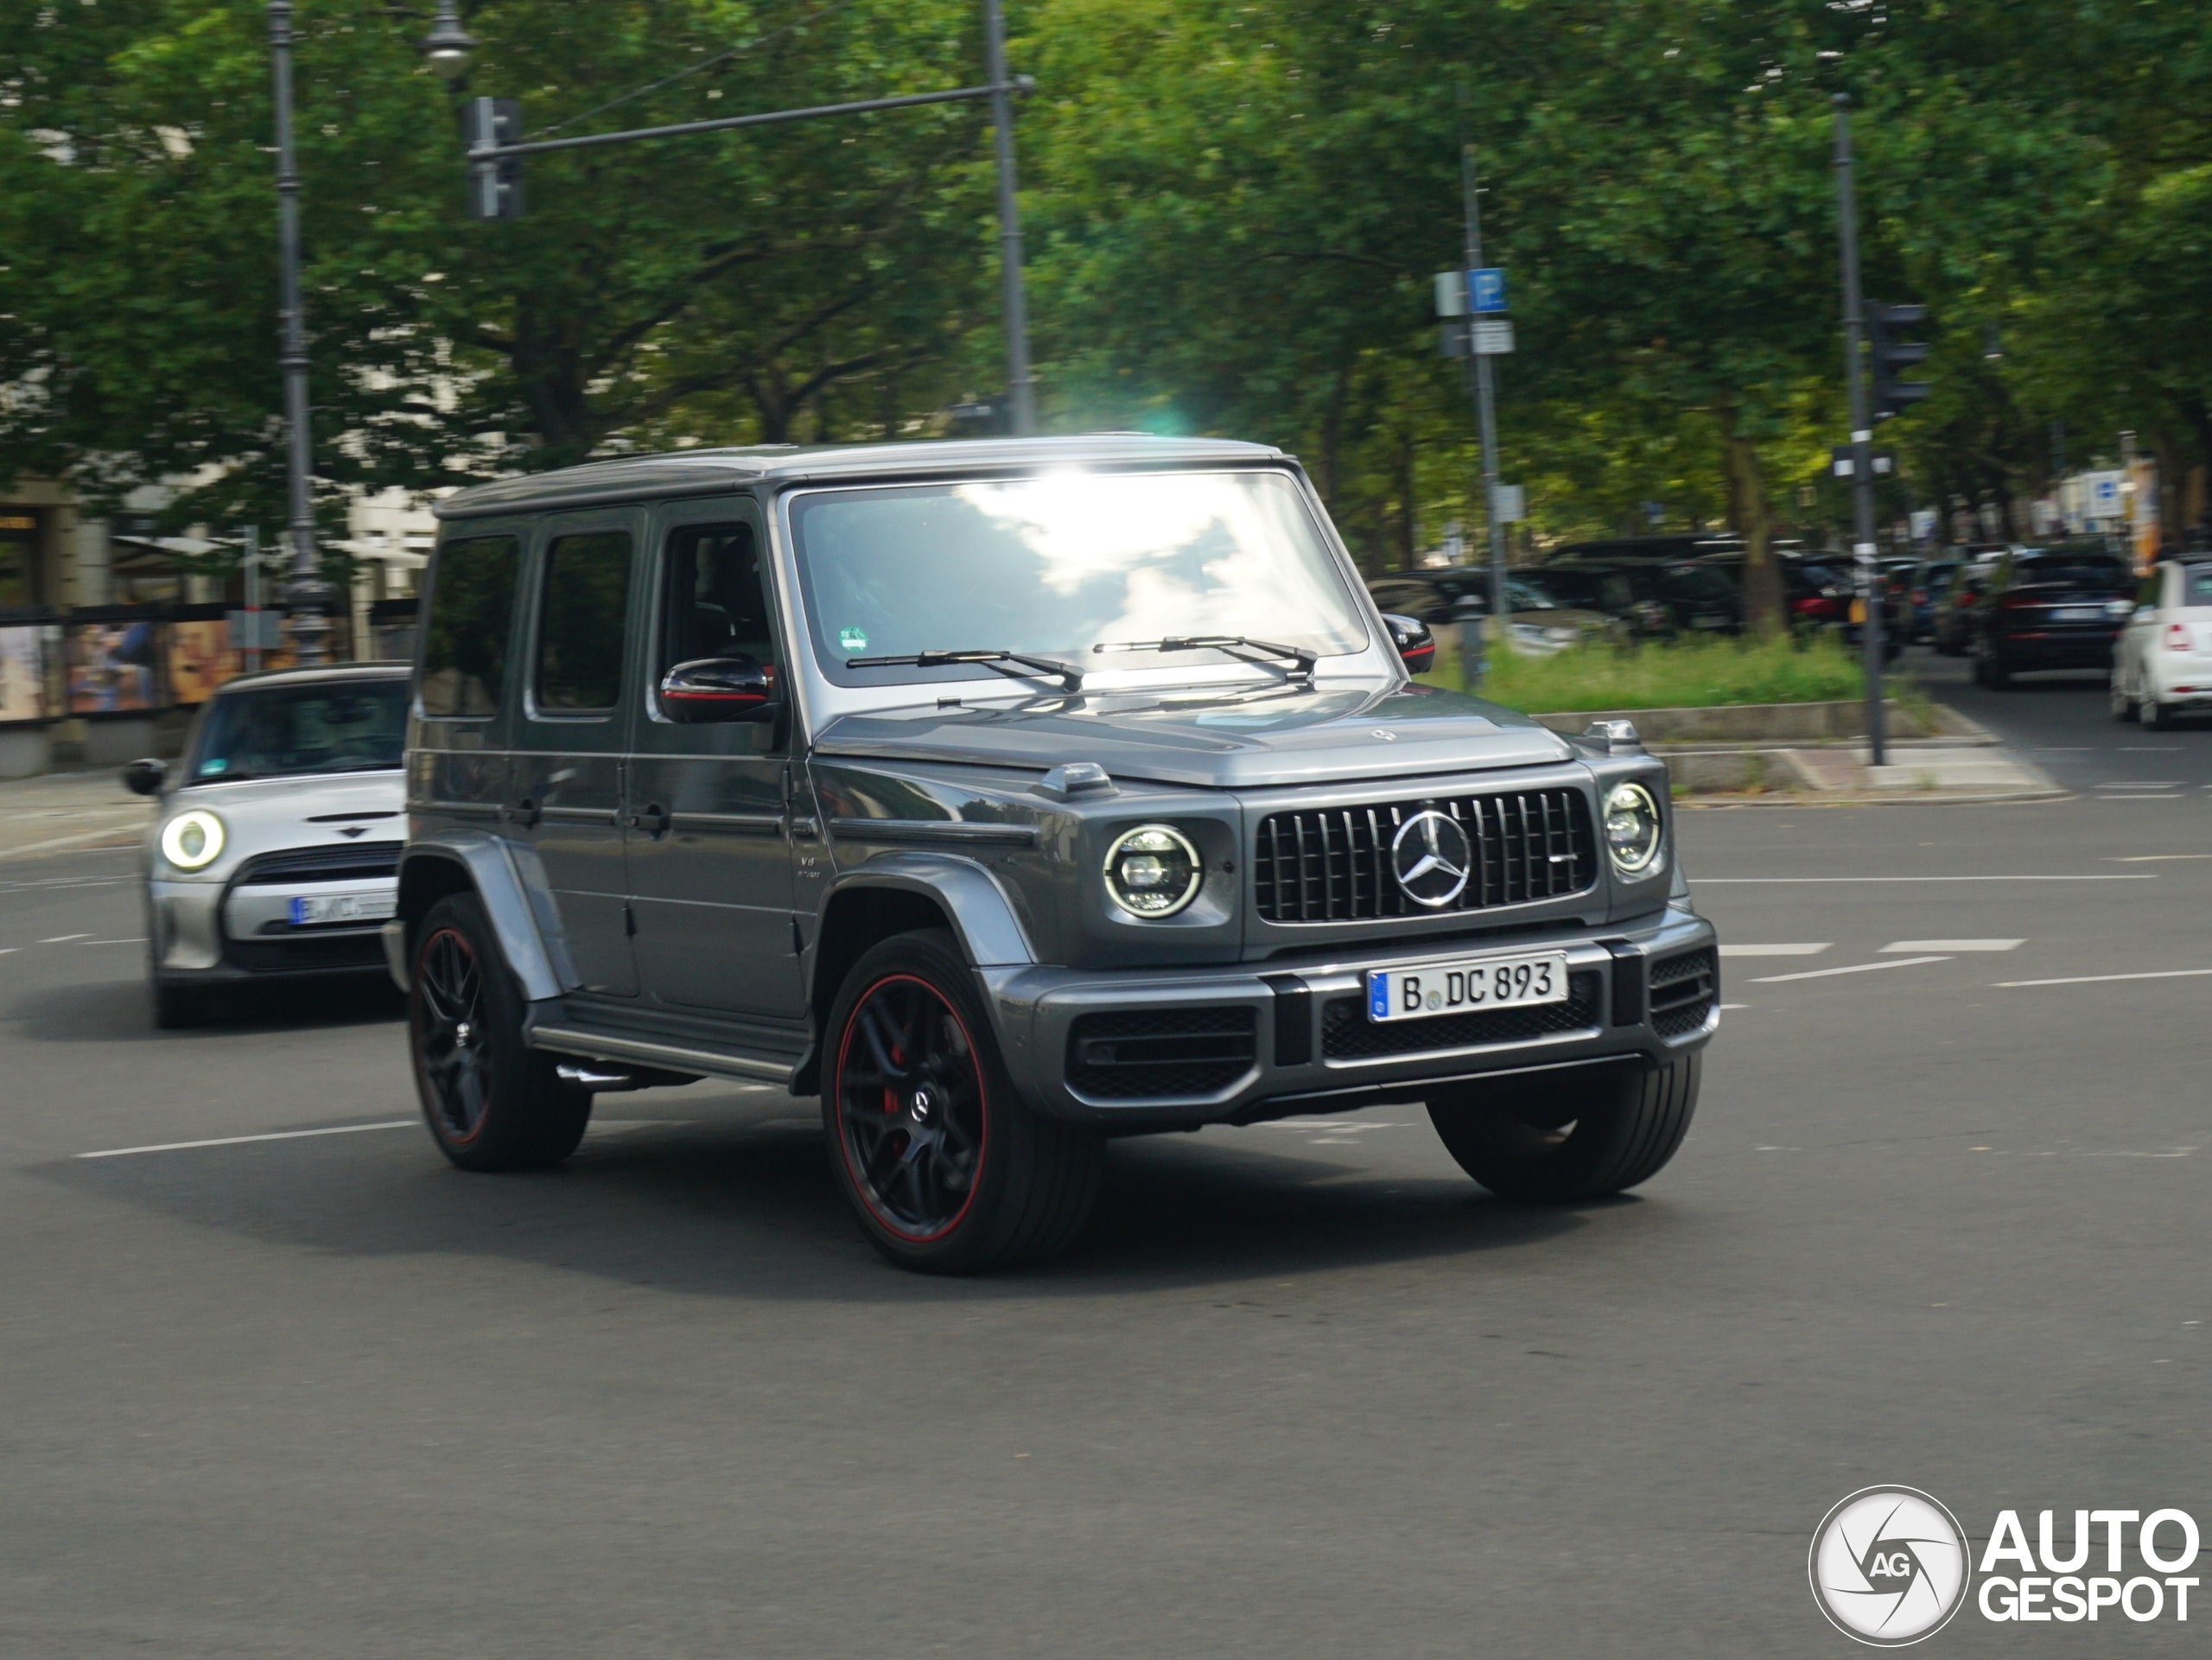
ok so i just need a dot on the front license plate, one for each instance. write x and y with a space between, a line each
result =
343 908
1461 988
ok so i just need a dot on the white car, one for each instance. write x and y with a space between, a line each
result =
2162 661
275 850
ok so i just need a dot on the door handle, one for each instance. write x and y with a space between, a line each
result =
652 820
524 813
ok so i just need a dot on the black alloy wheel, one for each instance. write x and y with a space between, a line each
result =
946 1169
452 1035
910 1108
491 1103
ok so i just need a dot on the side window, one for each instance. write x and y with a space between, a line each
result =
472 607
2197 584
579 623
714 603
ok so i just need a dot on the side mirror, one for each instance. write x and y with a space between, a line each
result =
1416 645
144 777
720 689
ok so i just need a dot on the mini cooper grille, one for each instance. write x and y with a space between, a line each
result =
1160 1052
305 953
330 864
1681 993
1332 864
1348 1034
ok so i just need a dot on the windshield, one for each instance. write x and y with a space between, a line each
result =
1052 567
338 727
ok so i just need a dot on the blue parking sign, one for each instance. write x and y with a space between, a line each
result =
1486 289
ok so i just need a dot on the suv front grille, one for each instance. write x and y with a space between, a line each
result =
355 863
1160 1052
1332 864
1348 1034
1682 990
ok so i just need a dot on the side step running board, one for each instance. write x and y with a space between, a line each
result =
667 1057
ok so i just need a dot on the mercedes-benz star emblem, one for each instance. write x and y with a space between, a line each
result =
1430 858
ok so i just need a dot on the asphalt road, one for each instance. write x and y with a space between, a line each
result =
1303 1389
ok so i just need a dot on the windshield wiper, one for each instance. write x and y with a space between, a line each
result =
1305 660
1067 674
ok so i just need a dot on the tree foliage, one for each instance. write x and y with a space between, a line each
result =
1234 209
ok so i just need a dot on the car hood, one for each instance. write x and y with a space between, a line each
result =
1227 740
269 815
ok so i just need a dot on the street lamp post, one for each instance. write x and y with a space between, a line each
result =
308 592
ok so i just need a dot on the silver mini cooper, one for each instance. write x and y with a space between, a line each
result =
275 848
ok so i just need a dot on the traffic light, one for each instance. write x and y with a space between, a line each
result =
1889 356
494 187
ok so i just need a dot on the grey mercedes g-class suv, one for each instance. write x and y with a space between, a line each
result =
1010 795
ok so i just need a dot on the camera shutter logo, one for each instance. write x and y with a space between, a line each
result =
1430 857
1889 1566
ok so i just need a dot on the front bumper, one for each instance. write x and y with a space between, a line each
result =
205 932
1272 1039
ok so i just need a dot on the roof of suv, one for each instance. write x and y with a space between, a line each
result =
720 471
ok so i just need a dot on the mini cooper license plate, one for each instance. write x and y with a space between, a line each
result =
1462 988
343 908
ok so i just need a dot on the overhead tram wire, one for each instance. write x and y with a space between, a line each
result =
704 63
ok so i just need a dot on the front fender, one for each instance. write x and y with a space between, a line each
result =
510 882
982 913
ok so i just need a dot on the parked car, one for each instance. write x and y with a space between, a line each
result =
1960 606
1816 595
1930 580
2161 663
274 851
1009 795
2057 607
1541 623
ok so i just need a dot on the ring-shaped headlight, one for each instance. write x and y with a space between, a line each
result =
1633 831
192 841
1153 871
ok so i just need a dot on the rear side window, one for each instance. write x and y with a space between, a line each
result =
581 623
2197 584
464 647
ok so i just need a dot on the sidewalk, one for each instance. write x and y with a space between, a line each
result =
61 810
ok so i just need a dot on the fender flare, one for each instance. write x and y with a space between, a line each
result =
982 916
517 898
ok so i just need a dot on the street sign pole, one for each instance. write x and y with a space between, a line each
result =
1862 436
1485 396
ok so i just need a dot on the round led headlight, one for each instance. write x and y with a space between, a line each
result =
192 841
1633 830
1153 871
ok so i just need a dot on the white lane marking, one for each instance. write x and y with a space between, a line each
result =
63 939
2141 784
2155 858
2100 979
239 1141
1783 881
1724 1008
1773 950
1902 946
64 842
1856 968
2150 749
140 940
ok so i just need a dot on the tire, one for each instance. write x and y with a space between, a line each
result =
491 1103
1555 1139
946 1170
2152 714
1989 671
2123 706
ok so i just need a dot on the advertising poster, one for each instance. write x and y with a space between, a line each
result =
111 666
200 660
22 675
